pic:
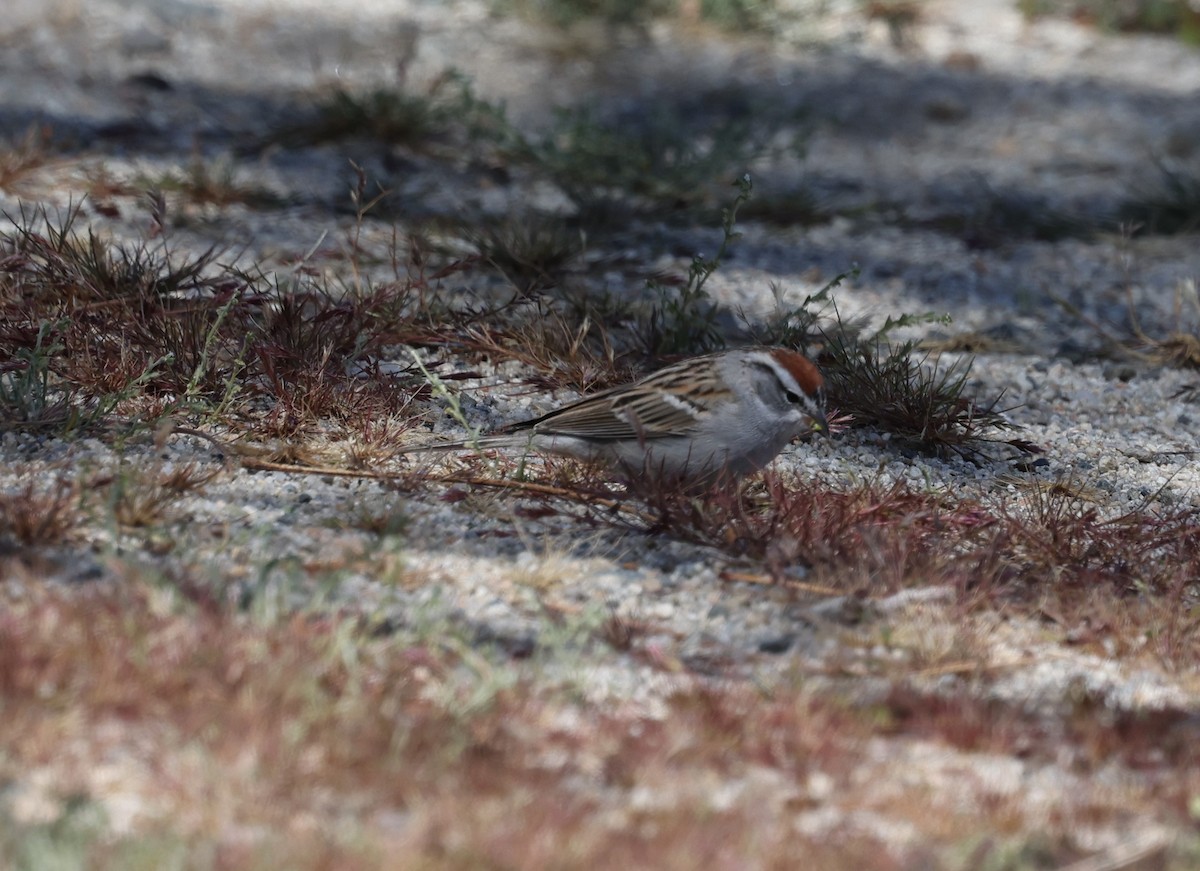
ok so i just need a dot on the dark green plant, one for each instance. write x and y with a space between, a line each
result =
791 207
799 326
738 16
212 182
665 160
533 251
1177 17
987 218
684 320
27 396
1169 204
448 110
566 13
34 398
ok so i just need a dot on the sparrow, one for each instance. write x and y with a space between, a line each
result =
695 423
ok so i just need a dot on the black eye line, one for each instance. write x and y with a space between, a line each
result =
791 395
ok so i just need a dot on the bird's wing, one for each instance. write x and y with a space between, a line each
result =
616 414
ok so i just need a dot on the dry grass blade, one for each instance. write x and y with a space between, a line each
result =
143 497
22 156
561 351
534 252
186 477
1178 348
925 406
1128 856
1168 204
39 514
872 529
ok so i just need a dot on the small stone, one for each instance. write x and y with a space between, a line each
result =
777 643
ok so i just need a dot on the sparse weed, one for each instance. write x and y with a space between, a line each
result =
664 160
21 156
448 110
142 497
453 405
27 397
1052 532
586 340
873 382
1181 346
532 251
185 477
685 321
210 182
871 535
799 326
1176 17
377 439
925 406
789 207
383 114
899 15
34 398
622 632
1171 203
39 514
386 519
185 335
52 263
573 350
1176 343
989 218
734 16
567 13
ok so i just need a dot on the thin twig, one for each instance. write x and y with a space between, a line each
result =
1120 857
768 581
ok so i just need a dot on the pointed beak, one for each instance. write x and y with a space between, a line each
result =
820 424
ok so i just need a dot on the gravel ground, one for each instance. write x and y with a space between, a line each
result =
975 102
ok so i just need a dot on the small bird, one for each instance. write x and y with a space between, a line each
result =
693 424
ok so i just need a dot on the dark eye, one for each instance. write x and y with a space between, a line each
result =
792 396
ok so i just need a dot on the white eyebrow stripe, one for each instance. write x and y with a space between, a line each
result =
782 375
